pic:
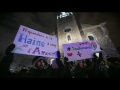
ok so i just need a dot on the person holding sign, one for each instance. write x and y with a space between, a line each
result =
6 61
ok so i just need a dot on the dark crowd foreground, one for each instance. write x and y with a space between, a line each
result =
89 68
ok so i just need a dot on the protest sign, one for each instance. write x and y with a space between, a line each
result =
32 42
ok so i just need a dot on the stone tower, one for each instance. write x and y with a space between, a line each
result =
67 30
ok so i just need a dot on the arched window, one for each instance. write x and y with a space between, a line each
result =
91 37
68 38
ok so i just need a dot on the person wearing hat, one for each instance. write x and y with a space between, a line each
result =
54 64
54 69
39 62
41 67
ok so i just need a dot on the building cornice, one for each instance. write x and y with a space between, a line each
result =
88 26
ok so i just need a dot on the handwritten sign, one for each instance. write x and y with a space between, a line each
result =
80 50
32 42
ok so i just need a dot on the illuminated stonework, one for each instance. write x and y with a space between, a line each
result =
64 14
70 31
100 34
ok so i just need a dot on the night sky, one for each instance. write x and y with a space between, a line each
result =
46 22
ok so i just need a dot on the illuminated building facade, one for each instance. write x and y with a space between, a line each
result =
69 31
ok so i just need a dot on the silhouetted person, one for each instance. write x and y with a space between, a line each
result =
57 68
6 61
114 68
67 68
80 70
58 60
95 66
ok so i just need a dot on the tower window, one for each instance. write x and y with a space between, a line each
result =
68 38
67 30
91 37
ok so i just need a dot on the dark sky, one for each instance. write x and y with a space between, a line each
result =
46 23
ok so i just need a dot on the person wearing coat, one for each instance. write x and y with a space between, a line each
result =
6 62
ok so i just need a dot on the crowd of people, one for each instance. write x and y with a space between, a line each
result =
96 67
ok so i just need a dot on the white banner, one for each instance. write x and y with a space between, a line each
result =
31 42
80 50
